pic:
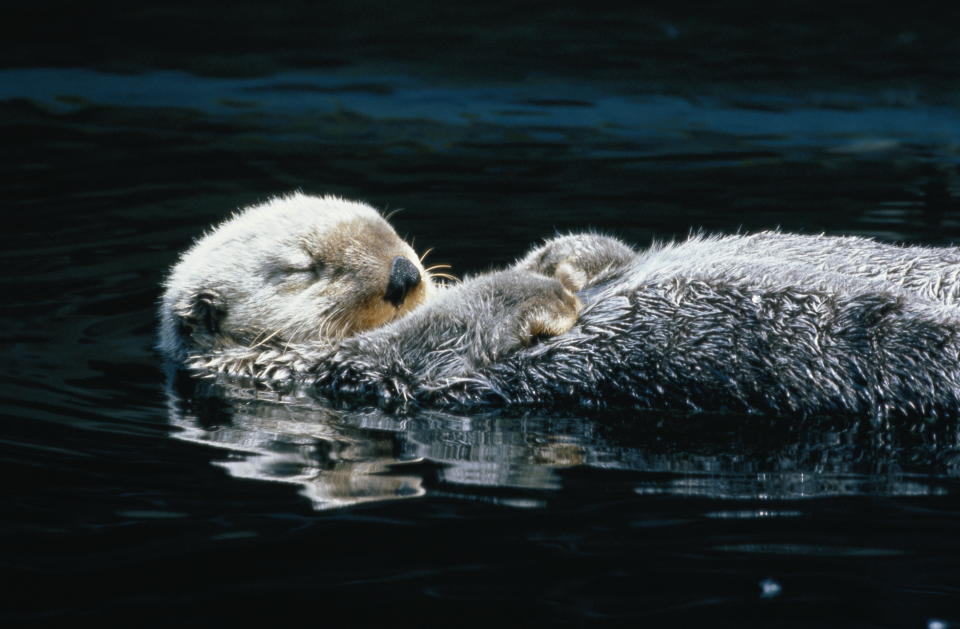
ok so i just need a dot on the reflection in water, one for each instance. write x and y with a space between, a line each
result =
341 458
335 464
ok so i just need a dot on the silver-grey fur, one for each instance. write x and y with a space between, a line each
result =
774 323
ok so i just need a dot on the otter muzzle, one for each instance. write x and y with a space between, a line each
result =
404 277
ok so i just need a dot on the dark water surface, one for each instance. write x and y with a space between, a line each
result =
126 135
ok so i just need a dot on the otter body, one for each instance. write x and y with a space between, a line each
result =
701 326
773 323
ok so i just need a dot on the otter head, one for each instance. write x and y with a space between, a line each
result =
294 269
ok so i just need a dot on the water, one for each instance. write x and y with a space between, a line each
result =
129 501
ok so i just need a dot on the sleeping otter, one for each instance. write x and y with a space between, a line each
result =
772 323
302 269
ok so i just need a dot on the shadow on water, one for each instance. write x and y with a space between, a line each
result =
341 458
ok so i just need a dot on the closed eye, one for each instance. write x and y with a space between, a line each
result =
299 270
285 274
315 267
315 270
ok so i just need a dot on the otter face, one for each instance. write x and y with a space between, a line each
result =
297 268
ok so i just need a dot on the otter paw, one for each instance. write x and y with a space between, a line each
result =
550 312
578 261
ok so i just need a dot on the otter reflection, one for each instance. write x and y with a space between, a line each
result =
341 458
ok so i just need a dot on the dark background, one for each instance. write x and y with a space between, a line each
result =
127 130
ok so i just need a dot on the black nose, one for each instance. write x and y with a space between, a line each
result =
404 276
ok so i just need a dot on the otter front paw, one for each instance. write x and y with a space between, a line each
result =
579 260
490 316
549 311
441 348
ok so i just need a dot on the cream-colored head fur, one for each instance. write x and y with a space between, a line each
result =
293 269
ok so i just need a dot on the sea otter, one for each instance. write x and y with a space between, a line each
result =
303 269
774 323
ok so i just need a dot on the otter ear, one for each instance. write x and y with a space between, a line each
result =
202 313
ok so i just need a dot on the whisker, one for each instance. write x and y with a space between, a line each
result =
392 213
446 276
266 335
332 327
286 346
297 328
324 323
269 336
438 266
256 339
285 328
425 254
